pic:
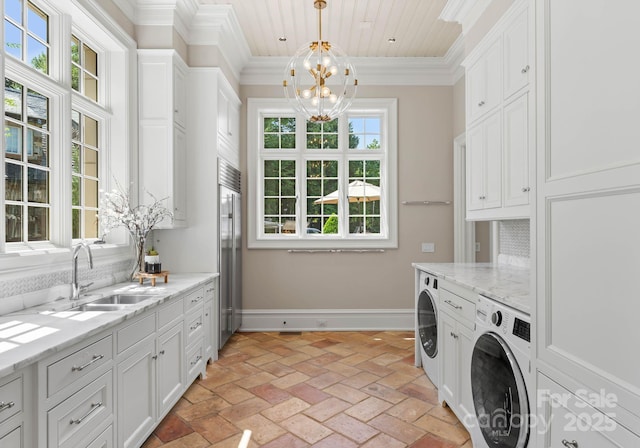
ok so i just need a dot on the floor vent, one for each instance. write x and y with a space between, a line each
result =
290 333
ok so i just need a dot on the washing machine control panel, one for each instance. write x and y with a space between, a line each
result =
522 329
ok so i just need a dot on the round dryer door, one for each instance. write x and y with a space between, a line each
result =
499 394
428 324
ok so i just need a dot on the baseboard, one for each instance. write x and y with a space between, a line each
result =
328 320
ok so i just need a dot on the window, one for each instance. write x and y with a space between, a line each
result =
85 157
27 163
63 131
26 34
322 185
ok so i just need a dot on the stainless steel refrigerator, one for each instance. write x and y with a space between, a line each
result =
230 250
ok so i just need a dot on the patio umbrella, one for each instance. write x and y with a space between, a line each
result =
359 191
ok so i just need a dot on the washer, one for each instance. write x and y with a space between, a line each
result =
427 346
501 376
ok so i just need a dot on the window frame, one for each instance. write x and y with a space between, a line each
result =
257 108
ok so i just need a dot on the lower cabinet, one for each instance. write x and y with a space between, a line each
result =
456 331
566 420
12 439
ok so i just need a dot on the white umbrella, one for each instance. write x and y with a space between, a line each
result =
359 191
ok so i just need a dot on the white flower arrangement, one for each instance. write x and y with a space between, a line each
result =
116 211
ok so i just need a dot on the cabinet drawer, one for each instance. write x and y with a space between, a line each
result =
10 398
193 299
458 307
88 410
135 332
104 440
78 364
13 439
195 361
573 423
194 326
169 313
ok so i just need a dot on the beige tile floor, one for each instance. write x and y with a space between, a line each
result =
315 389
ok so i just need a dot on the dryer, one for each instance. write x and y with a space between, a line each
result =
426 322
501 378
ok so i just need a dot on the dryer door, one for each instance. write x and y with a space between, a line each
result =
499 393
428 324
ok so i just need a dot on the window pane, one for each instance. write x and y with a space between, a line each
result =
288 141
75 78
13 9
12 40
37 148
90 62
13 223
76 194
271 168
271 125
288 125
322 196
37 55
90 87
12 99
37 23
288 168
90 224
364 132
90 193
13 182
75 50
12 141
37 109
279 196
38 186
75 223
75 158
279 133
271 141
90 132
90 162
38 224
322 135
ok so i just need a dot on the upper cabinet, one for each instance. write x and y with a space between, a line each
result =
500 119
162 112
228 123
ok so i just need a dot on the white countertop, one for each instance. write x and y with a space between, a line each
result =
35 333
504 283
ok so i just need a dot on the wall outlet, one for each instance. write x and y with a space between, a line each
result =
322 323
477 247
428 247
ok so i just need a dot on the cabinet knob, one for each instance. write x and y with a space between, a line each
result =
525 70
525 189
482 197
481 103
572 444
455 336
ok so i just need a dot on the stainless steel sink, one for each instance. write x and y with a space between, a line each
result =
99 307
121 299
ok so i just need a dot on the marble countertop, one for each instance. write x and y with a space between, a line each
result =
504 283
32 334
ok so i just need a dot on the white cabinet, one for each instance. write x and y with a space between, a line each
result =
456 327
516 152
484 164
499 118
12 439
150 371
17 428
228 123
162 131
517 55
588 204
483 83
210 343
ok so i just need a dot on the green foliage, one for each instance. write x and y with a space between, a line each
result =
331 225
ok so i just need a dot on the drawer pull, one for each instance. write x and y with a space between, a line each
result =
94 359
481 103
455 336
198 358
572 444
162 352
450 303
194 327
525 70
94 406
4 406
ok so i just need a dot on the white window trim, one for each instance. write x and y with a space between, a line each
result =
300 240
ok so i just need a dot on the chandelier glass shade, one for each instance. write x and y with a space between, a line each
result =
320 81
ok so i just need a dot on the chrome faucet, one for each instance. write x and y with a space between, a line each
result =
75 289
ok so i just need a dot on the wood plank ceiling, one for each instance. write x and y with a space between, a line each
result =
361 28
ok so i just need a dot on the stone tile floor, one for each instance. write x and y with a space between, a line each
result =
315 389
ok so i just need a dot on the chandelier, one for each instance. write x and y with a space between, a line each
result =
320 82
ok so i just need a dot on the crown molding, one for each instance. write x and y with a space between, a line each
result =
441 71
464 12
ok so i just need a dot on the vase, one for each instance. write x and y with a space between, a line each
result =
139 260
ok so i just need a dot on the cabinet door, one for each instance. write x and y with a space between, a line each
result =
179 95
474 168
465 349
516 152
13 439
171 362
136 389
492 162
179 199
517 60
484 81
449 361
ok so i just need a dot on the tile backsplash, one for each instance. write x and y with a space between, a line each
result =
513 241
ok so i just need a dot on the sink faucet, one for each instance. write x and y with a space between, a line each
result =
75 289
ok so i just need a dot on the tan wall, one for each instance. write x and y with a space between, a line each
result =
160 37
483 236
459 117
211 56
276 279
121 19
